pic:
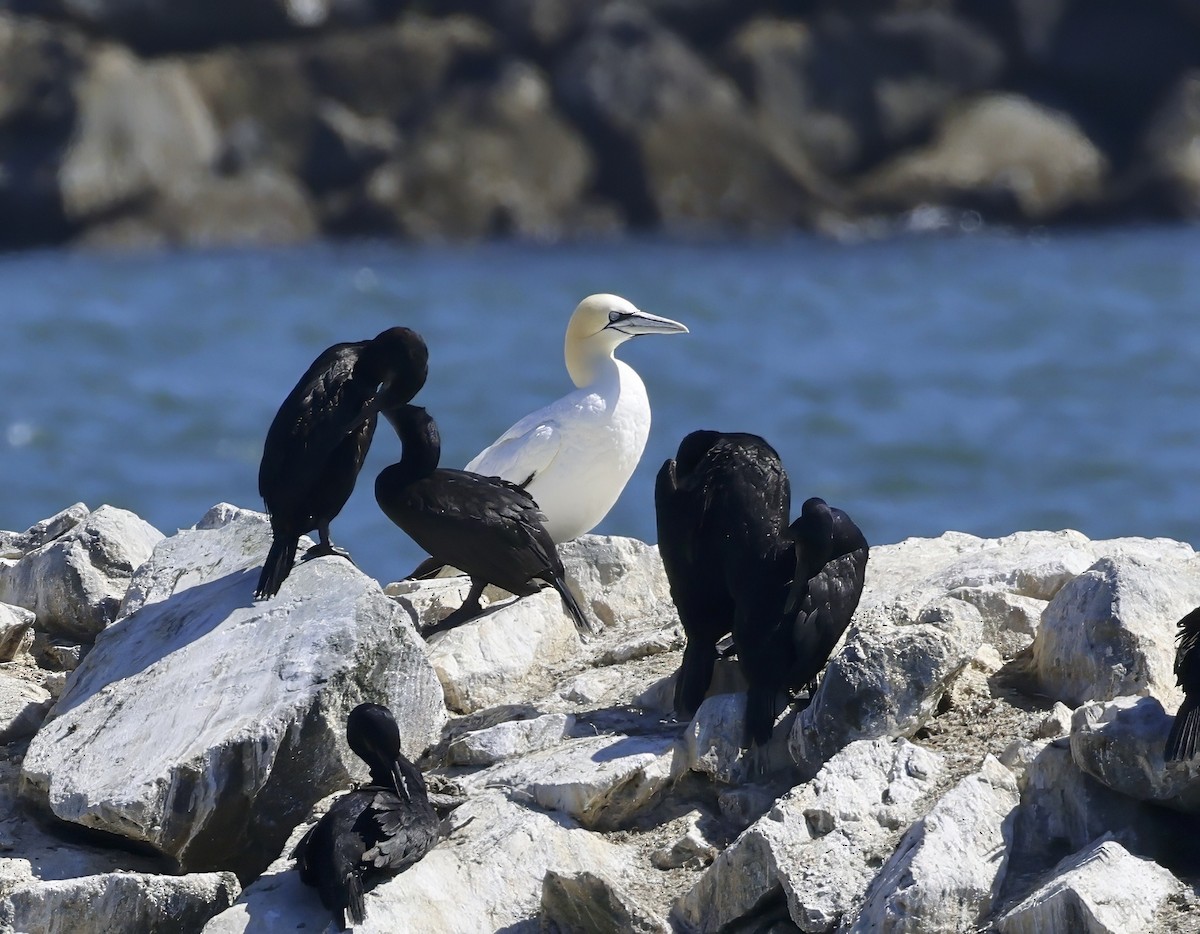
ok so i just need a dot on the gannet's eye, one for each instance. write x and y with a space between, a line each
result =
615 316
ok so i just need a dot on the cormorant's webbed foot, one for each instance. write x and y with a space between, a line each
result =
469 610
325 549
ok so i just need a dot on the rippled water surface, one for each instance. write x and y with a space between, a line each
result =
987 383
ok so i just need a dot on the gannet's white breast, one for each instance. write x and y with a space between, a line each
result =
580 450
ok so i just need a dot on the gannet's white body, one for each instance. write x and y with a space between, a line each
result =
575 455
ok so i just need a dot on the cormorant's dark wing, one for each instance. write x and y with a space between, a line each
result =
1185 731
400 833
318 414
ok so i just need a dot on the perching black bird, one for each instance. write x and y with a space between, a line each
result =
1181 743
487 527
830 570
316 445
373 831
722 509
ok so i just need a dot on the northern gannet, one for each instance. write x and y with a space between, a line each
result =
487 527
575 455
373 831
317 442
1182 741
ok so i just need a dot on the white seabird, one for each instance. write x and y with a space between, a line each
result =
575 455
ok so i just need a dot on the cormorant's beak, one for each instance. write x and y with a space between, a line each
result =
642 322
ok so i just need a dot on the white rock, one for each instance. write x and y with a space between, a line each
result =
620 580
509 739
15 545
507 654
1111 631
599 781
16 631
1120 743
949 867
643 645
23 707
75 582
1103 889
135 901
886 681
712 741
818 842
487 876
205 724
692 850
591 902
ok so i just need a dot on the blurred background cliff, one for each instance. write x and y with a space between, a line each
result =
136 123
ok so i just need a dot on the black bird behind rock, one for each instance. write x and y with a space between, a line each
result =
1181 743
722 510
487 527
373 831
319 438
830 570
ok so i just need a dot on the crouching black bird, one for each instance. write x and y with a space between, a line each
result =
722 510
487 527
1181 743
319 438
830 570
373 831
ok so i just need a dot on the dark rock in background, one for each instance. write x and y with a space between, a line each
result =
121 119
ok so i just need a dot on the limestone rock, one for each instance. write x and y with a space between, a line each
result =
950 865
621 580
74 582
490 870
1103 889
1120 743
886 681
1111 631
16 631
505 654
818 842
692 850
600 781
141 902
509 739
219 781
589 903
23 707
712 741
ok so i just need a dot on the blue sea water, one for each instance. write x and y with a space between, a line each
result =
985 383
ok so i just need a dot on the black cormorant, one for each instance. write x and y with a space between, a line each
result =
722 508
1181 744
487 527
373 831
316 445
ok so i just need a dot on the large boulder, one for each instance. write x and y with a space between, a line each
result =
23 707
218 781
1111 631
1102 889
74 581
816 846
1171 151
887 680
948 869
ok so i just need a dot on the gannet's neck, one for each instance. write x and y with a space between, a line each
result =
588 361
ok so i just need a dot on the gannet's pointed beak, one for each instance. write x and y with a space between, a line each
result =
636 323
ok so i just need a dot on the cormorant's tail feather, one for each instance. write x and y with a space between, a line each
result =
280 560
584 627
356 906
1185 732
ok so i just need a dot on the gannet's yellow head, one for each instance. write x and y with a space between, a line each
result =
600 324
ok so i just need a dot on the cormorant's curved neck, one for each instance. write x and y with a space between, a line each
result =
421 442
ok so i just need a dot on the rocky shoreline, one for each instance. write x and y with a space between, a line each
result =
984 751
275 121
